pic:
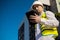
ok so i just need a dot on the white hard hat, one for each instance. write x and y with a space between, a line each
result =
37 2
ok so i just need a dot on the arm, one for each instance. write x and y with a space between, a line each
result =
51 20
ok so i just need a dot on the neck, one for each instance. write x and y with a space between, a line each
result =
41 12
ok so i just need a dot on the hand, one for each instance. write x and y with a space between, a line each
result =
35 19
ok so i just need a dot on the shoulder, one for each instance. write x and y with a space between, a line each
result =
50 13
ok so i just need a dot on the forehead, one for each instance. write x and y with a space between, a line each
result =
36 5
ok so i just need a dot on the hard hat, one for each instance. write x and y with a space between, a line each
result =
37 2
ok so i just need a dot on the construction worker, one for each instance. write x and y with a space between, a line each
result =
46 27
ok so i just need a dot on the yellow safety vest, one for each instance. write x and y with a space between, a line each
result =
48 31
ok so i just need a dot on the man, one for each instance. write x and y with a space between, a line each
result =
46 23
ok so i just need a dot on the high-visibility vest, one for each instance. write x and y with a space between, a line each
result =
48 30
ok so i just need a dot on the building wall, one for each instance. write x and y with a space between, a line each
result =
21 32
58 5
47 2
53 4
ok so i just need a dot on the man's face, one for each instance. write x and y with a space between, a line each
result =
39 9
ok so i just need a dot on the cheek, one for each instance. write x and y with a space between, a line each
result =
40 9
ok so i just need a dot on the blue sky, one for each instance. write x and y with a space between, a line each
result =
11 15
